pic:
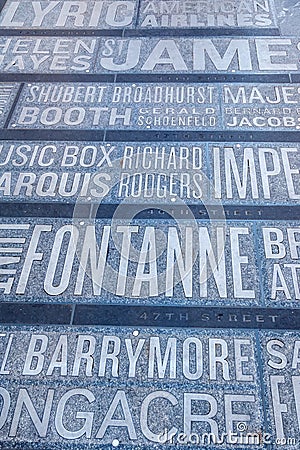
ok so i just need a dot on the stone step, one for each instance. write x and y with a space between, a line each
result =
123 386
248 175
182 261
109 14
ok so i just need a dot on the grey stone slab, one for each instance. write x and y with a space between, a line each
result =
260 174
197 55
208 13
46 260
279 248
176 377
47 55
23 342
132 402
149 55
91 14
288 14
8 93
120 106
281 377
261 107
104 173
235 107
159 173
115 14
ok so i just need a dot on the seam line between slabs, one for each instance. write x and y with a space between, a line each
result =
13 106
